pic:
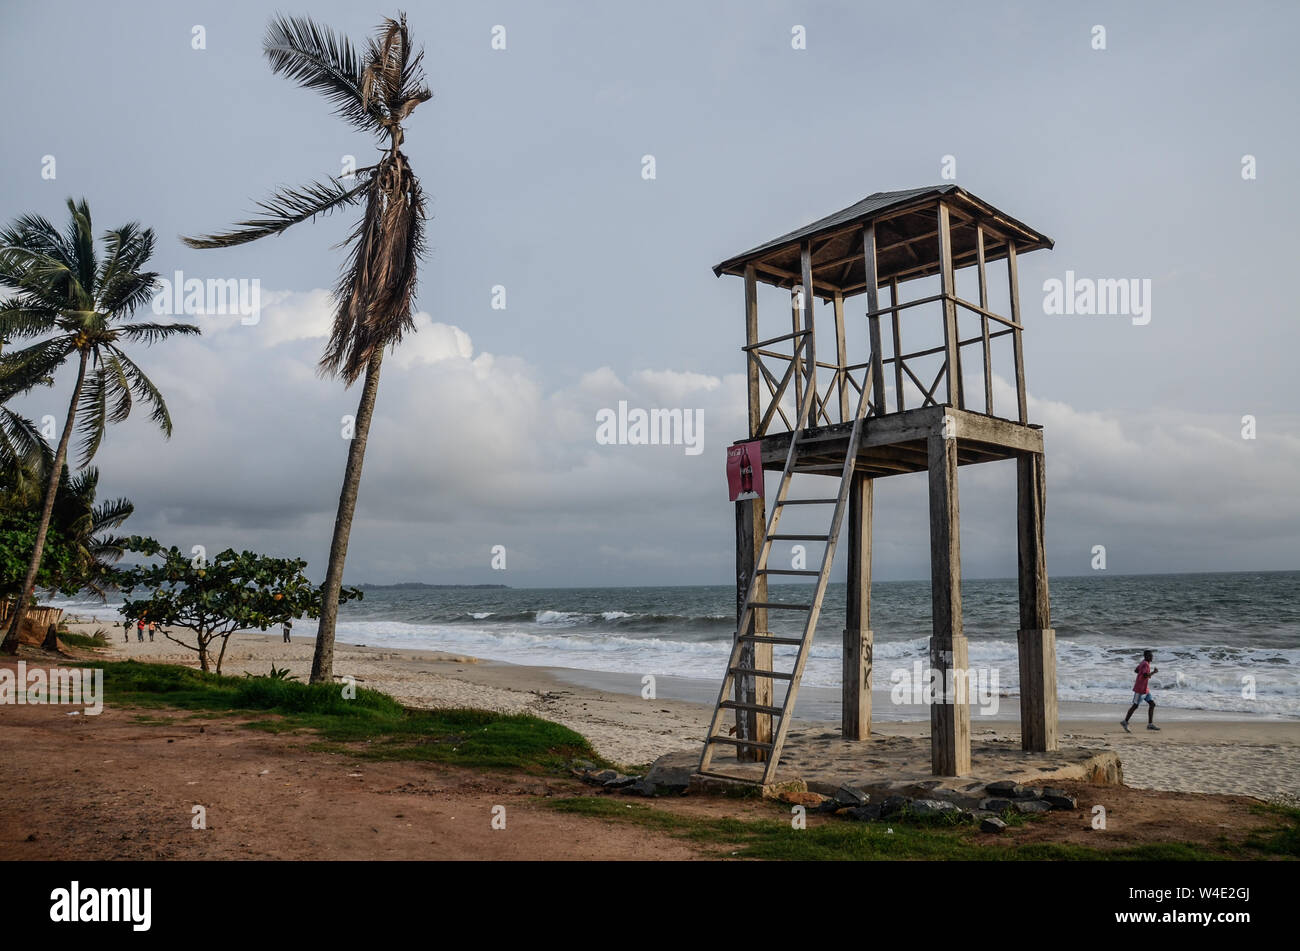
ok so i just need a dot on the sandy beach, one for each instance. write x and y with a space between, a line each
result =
1206 753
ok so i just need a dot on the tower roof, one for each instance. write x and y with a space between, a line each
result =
906 240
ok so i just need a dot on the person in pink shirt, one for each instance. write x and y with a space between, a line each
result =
1142 691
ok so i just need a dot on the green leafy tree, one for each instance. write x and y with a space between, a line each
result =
80 550
60 286
17 535
213 598
374 91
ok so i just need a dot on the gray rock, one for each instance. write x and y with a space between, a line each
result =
670 779
1030 792
851 796
996 805
639 788
1026 806
1059 799
1005 788
992 824
932 807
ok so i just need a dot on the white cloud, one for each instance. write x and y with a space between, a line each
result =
468 450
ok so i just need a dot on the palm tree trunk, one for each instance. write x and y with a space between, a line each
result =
322 665
10 645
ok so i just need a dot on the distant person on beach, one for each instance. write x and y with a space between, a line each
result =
139 630
288 626
1142 691
151 630
126 629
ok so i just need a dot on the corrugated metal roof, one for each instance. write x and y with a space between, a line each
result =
869 207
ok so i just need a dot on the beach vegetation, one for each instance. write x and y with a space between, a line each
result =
901 837
374 90
370 725
78 302
214 597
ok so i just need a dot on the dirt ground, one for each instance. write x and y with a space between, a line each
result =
114 787
125 784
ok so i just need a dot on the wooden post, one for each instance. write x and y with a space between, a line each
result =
751 528
1014 281
797 380
855 721
946 286
841 356
805 259
898 345
1036 640
950 713
751 359
984 321
873 305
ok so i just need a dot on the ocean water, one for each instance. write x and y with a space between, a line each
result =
1213 634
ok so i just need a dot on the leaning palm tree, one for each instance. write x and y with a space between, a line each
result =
374 91
60 286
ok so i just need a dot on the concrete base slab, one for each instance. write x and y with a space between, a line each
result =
822 762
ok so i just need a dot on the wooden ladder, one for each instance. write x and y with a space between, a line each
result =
812 611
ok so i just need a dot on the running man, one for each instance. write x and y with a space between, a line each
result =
1142 691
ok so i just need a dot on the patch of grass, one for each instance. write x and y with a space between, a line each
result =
384 728
90 641
1282 840
833 839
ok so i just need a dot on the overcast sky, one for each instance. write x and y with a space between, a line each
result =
1130 157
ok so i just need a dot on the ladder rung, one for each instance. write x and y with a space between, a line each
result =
788 571
779 605
735 742
771 639
779 675
807 501
799 538
737 705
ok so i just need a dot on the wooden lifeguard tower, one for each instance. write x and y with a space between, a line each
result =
913 413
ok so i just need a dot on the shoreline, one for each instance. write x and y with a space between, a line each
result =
1241 754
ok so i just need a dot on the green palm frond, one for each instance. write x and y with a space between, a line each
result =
121 284
24 454
81 238
151 333
316 57
128 293
144 390
93 410
33 366
286 208
111 514
24 316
